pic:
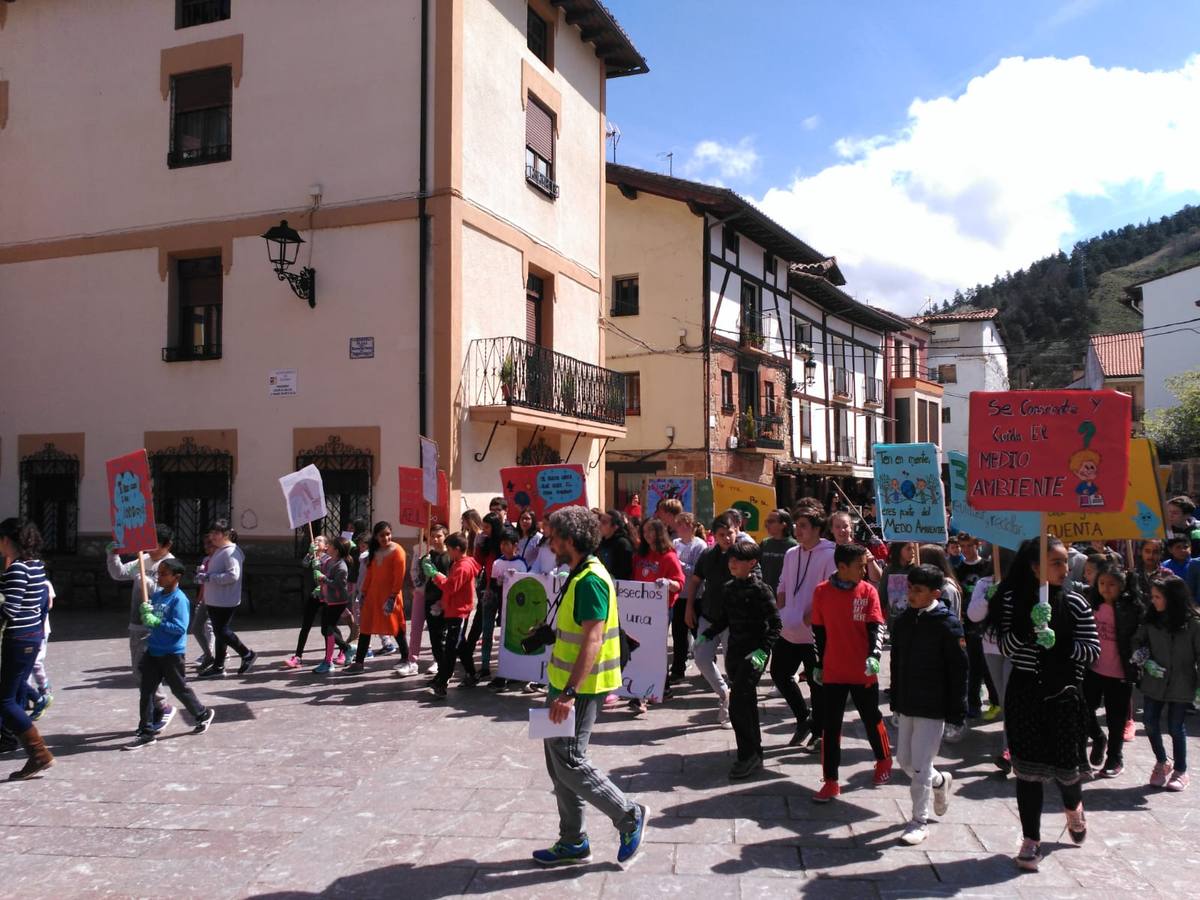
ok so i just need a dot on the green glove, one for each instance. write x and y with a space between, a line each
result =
149 619
758 659
872 666
816 676
428 568
1040 615
701 639
312 549
1045 638
318 577
1153 669
111 547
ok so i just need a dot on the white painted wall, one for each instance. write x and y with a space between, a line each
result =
979 354
1169 350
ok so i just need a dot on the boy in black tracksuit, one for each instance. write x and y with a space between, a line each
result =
750 613
929 689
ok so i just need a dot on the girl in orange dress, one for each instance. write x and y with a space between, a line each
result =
383 600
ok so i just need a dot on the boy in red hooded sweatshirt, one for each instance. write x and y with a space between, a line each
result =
458 598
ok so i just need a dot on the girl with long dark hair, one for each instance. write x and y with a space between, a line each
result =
382 610
1109 680
616 548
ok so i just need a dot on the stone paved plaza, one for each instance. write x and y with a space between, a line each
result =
360 787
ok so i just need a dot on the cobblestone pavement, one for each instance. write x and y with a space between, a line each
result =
360 787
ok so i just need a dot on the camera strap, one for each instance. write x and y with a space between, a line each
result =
552 612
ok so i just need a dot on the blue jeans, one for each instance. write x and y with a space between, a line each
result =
1152 711
16 662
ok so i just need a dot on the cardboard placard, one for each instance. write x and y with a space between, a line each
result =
908 493
131 502
680 488
1048 451
524 604
543 489
304 493
644 615
1004 528
429 471
751 499
414 510
1141 519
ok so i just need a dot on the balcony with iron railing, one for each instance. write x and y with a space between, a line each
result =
874 391
761 433
507 379
845 448
843 384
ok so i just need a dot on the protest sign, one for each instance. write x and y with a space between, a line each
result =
131 502
674 488
1142 518
908 493
643 612
1004 528
751 499
524 605
305 496
414 509
1048 451
429 470
543 489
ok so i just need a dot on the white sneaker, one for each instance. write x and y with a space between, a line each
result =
406 668
432 670
941 794
723 716
914 833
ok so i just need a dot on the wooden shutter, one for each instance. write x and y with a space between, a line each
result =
534 288
539 130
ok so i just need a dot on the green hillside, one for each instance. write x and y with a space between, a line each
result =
1048 310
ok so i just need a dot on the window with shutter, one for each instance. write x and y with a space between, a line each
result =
539 148
534 290
201 105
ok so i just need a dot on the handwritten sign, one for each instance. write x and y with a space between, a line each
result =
543 489
131 502
1049 451
1004 528
414 509
643 610
1142 518
429 470
908 492
751 499
305 496
659 489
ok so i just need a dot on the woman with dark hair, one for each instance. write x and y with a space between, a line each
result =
222 580
1110 679
656 560
893 584
774 548
382 610
1050 636
23 589
528 537
616 549
1167 648
934 555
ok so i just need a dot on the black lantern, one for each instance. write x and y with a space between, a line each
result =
283 246
810 366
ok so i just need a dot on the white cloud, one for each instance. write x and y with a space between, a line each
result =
810 123
714 162
980 183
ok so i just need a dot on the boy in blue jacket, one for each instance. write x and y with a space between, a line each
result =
166 615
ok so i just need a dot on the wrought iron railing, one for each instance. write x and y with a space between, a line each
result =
508 371
542 182
198 156
200 351
874 390
843 383
845 448
767 432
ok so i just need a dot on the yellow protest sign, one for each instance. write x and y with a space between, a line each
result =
751 499
1142 516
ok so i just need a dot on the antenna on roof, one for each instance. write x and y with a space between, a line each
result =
670 158
612 134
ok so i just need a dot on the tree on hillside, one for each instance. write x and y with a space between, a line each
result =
1176 431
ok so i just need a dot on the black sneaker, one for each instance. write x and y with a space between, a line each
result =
439 690
744 768
533 687
803 732
248 662
213 671
204 721
143 739
1099 748
813 744
469 681
497 684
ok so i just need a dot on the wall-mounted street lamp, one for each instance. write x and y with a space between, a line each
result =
810 366
283 246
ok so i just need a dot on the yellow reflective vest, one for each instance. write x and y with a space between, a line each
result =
605 675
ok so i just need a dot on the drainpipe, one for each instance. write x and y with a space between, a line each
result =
825 366
707 344
423 232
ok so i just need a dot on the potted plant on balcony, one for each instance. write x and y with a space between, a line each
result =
508 374
749 428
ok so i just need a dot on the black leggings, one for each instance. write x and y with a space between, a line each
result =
330 616
1114 694
312 606
679 638
223 634
866 701
786 660
1029 804
978 674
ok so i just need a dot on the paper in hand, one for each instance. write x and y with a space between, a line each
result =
541 727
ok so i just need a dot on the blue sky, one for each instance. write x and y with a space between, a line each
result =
809 110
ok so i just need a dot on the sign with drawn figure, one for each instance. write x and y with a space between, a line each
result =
524 605
670 488
1049 451
644 616
131 502
908 492
414 509
1004 528
543 489
304 494
751 499
429 470
1142 518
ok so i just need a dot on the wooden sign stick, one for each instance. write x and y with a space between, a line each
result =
997 575
916 560
311 539
142 572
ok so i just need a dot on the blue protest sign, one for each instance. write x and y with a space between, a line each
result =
1004 528
908 492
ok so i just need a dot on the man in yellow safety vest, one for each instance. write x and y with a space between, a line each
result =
585 665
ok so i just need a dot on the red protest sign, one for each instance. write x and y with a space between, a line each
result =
131 502
543 488
1049 451
413 508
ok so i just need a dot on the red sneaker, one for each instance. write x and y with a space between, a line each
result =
883 771
829 790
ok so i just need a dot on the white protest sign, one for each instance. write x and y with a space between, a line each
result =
643 612
305 496
429 470
523 607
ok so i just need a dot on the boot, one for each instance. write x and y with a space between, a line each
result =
39 757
